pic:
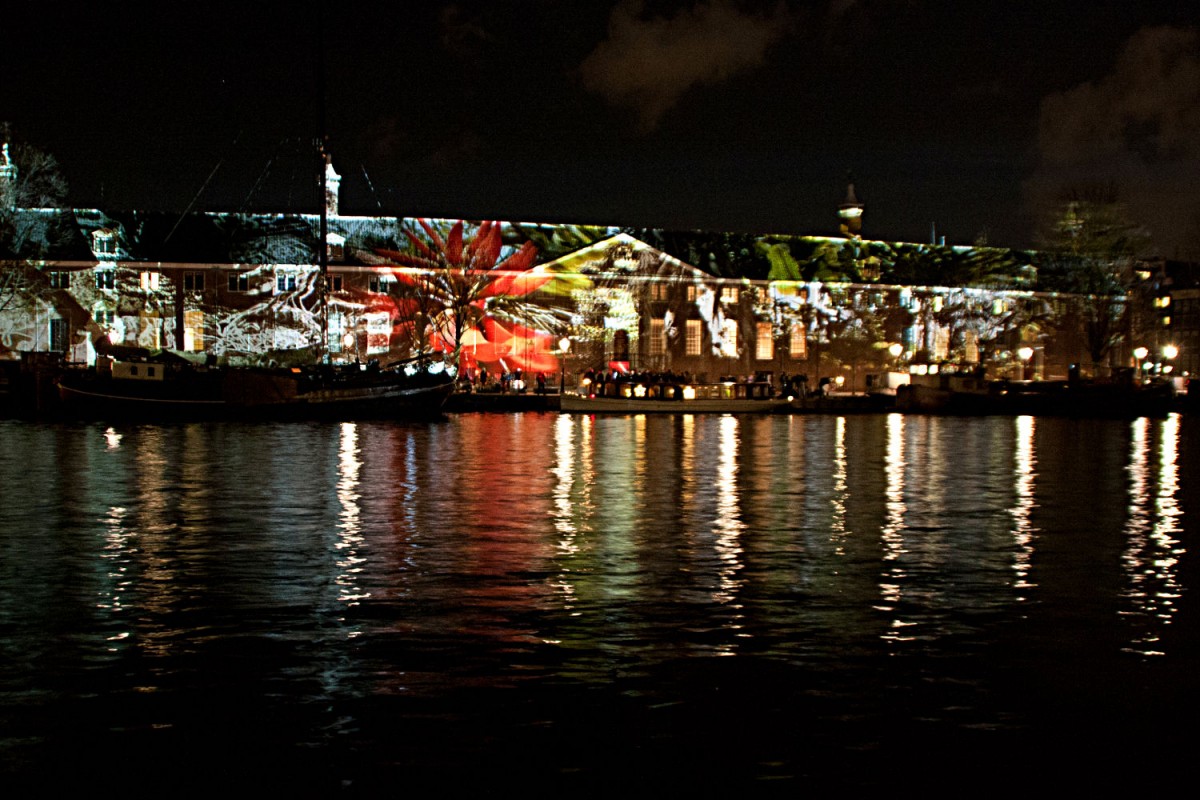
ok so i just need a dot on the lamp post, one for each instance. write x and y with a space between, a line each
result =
564 344
1169 352
1025 353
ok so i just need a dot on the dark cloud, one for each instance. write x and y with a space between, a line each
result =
1138 128
647 64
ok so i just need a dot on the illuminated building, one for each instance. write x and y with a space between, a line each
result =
243 288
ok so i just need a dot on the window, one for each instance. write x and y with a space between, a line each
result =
285 283
335 247
239 282
693 337
193 281
104 244
691 294
659 291
58 335
374 285
60 280
657 337
764 346
106 279
797 342
729 336
335 283
149 281
729 294
193 330
104 317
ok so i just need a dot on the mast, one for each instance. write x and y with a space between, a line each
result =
322 185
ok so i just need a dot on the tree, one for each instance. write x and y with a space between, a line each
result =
1090 249
30 181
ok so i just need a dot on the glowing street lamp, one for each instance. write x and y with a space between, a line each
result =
564 345
1024 353
1170 351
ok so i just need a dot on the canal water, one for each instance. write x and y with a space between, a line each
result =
546 602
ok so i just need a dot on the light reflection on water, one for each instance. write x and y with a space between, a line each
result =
403 597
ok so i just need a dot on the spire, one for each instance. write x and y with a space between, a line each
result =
333 183
850 212
8 177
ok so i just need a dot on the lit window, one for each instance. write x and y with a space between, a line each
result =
764 346
1166 322
193 331
691 294
693 337
729 336
657 337
149 281
659 291
729 294
797 342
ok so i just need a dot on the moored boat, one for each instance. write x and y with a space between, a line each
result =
168 386
634 398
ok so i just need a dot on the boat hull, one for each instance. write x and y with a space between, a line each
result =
252 394
580 404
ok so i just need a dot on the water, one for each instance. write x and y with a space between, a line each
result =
543 602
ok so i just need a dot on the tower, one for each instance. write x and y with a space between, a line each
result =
850 212
8 178
333 183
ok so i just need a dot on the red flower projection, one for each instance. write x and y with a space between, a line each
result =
469 298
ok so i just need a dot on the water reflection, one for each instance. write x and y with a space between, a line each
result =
1153 548
892 533
1024 479
868 575
350 542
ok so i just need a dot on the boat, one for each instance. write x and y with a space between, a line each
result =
627 397
1084 398
170 385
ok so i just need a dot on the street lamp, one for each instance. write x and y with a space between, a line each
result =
564 344
1025 353
1169 353
1139 357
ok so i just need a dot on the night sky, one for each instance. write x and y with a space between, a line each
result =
715 114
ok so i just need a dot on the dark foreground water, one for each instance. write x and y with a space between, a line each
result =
631 604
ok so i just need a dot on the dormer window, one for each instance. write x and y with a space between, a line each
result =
104 243
335 247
